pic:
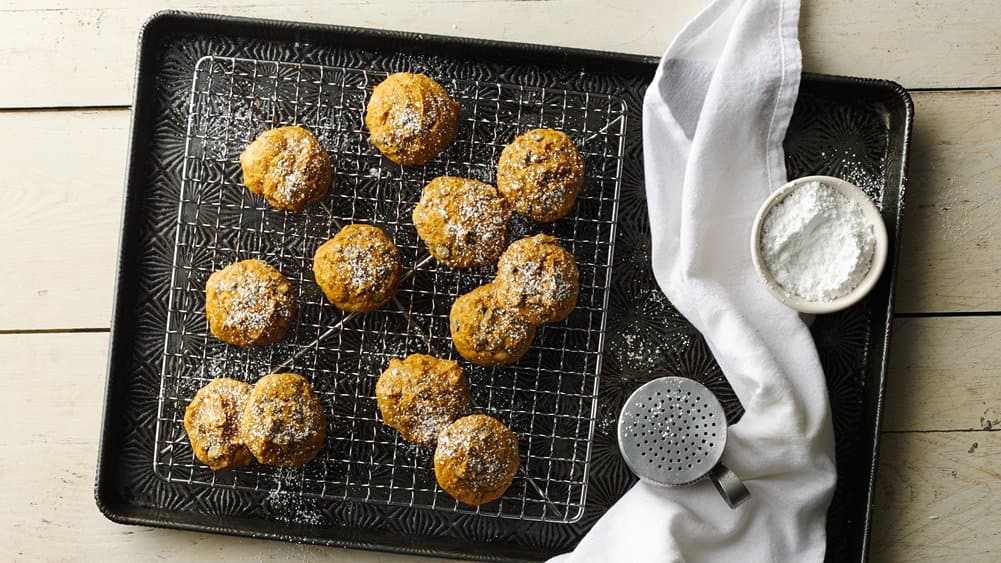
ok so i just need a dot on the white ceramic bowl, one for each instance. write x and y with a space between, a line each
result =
871 214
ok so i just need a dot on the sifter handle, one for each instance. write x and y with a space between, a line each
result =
730 487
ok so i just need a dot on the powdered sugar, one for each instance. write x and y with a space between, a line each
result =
297 170
289 505
213 419
463 221
481 452
817 243
408 122
369 267
479 223
429 419
253 306
421 395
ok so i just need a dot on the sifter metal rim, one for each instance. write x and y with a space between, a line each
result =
662 474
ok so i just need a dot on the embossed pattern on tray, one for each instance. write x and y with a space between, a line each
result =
548 398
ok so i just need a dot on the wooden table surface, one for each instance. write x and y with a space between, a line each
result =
66 71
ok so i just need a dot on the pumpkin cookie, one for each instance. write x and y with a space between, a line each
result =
411 118
541 173
283 422
421 395
288 166
476 459
486 333
538 279
249 303
463 222
212 421
359 269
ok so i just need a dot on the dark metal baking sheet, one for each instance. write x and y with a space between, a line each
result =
854 128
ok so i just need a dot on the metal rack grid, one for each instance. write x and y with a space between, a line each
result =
548 399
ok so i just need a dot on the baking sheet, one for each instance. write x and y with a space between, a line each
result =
856 129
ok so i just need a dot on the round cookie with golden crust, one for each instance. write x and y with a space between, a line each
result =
283 422
212 421
249 303
476 459
411 118
288 166
463 222
486 333
421 395
538 279
359 269
541 173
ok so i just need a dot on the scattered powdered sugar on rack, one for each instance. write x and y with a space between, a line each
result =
392 346
817 243
289 505
642 352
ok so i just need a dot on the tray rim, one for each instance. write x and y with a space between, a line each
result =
147 36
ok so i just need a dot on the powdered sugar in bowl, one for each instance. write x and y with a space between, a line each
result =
819 243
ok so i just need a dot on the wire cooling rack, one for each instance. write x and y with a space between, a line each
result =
549 398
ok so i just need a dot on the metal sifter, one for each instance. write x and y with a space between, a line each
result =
672 431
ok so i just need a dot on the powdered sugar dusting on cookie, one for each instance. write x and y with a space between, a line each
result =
464 222
541 173
421 395
212 423
478 454
251 308
250 299
538 277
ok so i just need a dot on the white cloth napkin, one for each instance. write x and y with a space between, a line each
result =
713 123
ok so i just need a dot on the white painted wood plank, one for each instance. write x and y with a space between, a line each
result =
937 498
918 43
943 374
91 45
62 189
950 251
